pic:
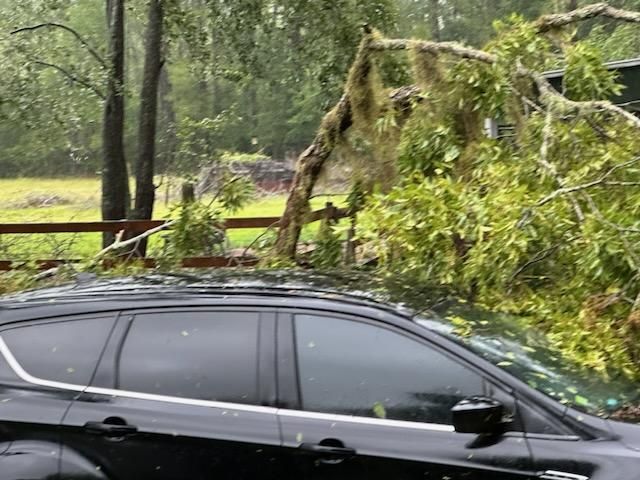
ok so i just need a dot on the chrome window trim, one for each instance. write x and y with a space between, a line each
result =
27 377
330 417
555 475
24 375
382 422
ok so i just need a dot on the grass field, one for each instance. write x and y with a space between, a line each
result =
78 199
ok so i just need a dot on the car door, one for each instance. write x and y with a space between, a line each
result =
373 402
44 365
180 394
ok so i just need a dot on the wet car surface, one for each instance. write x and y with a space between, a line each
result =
247 375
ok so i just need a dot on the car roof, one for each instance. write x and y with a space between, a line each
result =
359 288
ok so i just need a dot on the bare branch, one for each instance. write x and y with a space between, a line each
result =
94 53
120 244
547 135
622 184
551 22
540 257
452 48
602 181
72 77
548 94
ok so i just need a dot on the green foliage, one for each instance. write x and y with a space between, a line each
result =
197 140
543 225
197 231
427 146
621 43
239 157
198 228
586 77
234 193
16 281
328 247
465 21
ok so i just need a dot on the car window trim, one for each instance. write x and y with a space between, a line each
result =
376 323
355 419
265 356
280 412
31 379
486 376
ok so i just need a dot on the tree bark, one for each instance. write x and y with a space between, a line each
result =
312 161
115 184
168 121
434 19
309 167
147 128
571 5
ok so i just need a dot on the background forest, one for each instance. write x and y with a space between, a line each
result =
247 76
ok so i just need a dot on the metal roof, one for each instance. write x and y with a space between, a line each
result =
616 65
628 76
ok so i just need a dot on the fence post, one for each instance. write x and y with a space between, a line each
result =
350 247
188 192
330 213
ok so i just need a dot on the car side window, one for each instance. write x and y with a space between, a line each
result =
65 351
355 368
205 355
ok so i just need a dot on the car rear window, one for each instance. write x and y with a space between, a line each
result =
66 351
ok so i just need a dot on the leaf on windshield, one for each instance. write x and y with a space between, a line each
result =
581 401
379 411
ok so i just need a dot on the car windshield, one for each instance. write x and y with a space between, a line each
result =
510 343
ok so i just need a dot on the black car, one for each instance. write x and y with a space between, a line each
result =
294 376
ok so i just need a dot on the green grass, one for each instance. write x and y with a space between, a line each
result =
80 201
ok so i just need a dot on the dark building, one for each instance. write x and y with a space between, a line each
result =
629 76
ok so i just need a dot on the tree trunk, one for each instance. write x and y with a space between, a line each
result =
168 121
434 19
145 162
309 167
572 5
115 184
313 159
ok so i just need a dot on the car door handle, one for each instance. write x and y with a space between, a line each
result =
109 429
327 451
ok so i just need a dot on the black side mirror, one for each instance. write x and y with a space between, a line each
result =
479 415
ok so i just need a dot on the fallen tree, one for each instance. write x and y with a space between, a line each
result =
339 120
543 222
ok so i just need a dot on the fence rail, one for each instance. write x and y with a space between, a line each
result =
140 226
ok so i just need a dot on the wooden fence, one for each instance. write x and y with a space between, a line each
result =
141 226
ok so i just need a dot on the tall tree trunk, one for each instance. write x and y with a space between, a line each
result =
434 19
168 121
115 184
145 162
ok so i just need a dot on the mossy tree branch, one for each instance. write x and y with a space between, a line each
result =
341 117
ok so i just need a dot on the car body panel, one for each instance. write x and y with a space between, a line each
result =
177 437
264 441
